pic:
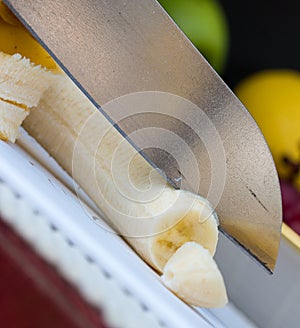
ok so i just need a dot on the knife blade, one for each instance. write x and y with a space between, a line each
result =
132 50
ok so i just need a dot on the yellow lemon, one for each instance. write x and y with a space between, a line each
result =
273 99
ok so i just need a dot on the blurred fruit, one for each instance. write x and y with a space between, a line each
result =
291 205
204 22
273 99
14 38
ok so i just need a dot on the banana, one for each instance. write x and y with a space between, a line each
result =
11 117
154 218
192 274
173 230
21 87
21 81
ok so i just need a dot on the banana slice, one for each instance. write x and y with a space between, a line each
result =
21 87
153 217
192 274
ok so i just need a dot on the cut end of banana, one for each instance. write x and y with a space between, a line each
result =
21 81
22 85
192 274
11 117
199 224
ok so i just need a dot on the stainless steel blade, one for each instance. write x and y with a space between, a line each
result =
119 47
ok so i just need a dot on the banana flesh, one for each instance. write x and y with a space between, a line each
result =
174 231
11 117
21 87
21 81
192 274
84 143
153 217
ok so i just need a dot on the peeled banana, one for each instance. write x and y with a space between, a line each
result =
153 217
174 231
21 81
21 87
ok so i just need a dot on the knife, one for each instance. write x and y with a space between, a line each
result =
133 49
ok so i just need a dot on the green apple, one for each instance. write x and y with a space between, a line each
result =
205 24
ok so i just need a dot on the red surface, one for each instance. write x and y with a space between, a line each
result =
33 294
291 205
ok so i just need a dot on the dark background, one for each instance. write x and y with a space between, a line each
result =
263 34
